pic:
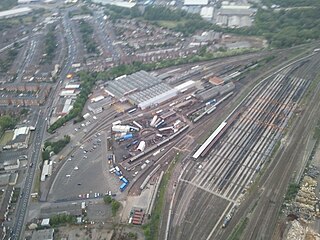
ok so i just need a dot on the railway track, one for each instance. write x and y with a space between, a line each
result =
244 148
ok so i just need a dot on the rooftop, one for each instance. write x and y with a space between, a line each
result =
196 2
15 11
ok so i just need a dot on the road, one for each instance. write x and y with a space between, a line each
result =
41 126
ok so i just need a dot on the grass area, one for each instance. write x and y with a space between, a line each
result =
6 137
15 195
291 192
310 90
151 230
238 230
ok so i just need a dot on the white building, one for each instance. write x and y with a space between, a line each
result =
11 165
15 12
207 13
119 3
195 2
158 99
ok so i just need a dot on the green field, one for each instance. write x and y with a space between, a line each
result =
6 137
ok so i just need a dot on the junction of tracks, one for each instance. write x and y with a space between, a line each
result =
219 180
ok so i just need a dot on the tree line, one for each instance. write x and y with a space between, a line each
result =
7 122
55 147
87 37
284 28
50 44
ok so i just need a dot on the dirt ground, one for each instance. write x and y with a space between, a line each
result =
90 232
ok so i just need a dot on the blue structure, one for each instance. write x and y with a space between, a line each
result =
124 180
123 186
127 136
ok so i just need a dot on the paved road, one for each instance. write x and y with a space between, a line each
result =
40 132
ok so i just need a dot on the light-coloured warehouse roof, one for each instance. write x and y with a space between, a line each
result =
20 131
158 99
72 86
14 12
137 88
207 12
185 85
196 2
118 3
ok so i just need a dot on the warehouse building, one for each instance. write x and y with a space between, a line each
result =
235 15
15 12
119 3
207 13
98 106
20 139
195 2
140 89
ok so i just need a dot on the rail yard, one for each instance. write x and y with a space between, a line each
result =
142 120
217 184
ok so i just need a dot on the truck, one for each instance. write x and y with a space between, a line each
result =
117 173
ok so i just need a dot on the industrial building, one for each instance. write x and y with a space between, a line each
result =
15 12
26 1
195 2
140 89
207 13
20 139
118 3
235 15
213 92
98 106
11 165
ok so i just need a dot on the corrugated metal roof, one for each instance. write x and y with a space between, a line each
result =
196 2
8 13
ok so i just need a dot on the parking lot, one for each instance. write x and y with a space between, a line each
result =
85 174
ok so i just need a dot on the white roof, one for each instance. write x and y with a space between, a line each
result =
45 171
15 11
118 3
235 6
196 2
69 92
206 12
97 99
68 86
142 146
45 222
158 99
209 140
19 131
67 106
185 85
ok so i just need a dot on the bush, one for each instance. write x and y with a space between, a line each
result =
56 147
60 219
115 205
107 199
